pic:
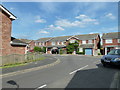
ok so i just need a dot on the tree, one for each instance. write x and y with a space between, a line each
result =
44 49
37 49
72 47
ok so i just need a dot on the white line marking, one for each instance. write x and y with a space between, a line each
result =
78 69
41 87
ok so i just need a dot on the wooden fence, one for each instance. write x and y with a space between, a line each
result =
16 58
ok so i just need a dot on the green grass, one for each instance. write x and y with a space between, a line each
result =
21 64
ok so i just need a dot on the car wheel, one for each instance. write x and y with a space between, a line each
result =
104 65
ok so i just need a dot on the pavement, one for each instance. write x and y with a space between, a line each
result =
71 72
47 61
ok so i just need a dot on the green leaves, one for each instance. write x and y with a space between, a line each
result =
71 47
37 49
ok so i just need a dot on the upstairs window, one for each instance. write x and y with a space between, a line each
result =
89 41
43 43
84 42
62 43
108 41
58 43
53 43
118 40
72 41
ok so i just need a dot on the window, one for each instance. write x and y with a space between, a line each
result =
89 41
80 49
53 43
118 40
72 41
39 43
84 42
43 43
62 43
58 43
109 41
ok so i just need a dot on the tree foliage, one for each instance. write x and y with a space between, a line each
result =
37 49
71 47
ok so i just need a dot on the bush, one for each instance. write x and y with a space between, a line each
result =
70 48
37 49
82 53
99 53
44 49
61 51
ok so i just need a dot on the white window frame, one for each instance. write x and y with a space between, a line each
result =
80 49
43 43
58 43
72 41
39 43
53 43
118 40
62 43
89 41
83 41
108 41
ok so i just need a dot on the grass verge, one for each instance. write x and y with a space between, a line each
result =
21 64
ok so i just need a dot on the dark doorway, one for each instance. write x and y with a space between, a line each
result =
55 51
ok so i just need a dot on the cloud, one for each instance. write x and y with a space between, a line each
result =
40 20
81 17
43 32
110 15
86 19
82 21
50 7
64 23
52 27
12 8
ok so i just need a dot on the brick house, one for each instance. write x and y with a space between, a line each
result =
30 44
89 42
8 44
110 41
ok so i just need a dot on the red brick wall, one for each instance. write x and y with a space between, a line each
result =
48 43
31 45
17 49
5 34
115 42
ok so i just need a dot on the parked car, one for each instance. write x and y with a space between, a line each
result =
113 58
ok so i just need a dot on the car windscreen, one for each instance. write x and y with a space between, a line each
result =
114 52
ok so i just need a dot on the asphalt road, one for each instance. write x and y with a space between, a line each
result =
71 72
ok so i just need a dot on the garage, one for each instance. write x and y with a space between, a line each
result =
88 51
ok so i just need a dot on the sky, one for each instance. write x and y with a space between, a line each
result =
50 19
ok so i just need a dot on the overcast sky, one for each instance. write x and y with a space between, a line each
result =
47 19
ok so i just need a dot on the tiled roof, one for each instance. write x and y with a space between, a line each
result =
43 39
25 40
61 39
87 45
87 36
64 38
113 35
15 41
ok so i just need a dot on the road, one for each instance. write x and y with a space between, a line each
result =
71 72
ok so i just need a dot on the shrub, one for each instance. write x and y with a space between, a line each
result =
37 49
99 53
44 49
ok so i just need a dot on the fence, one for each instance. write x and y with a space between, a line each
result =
16 58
